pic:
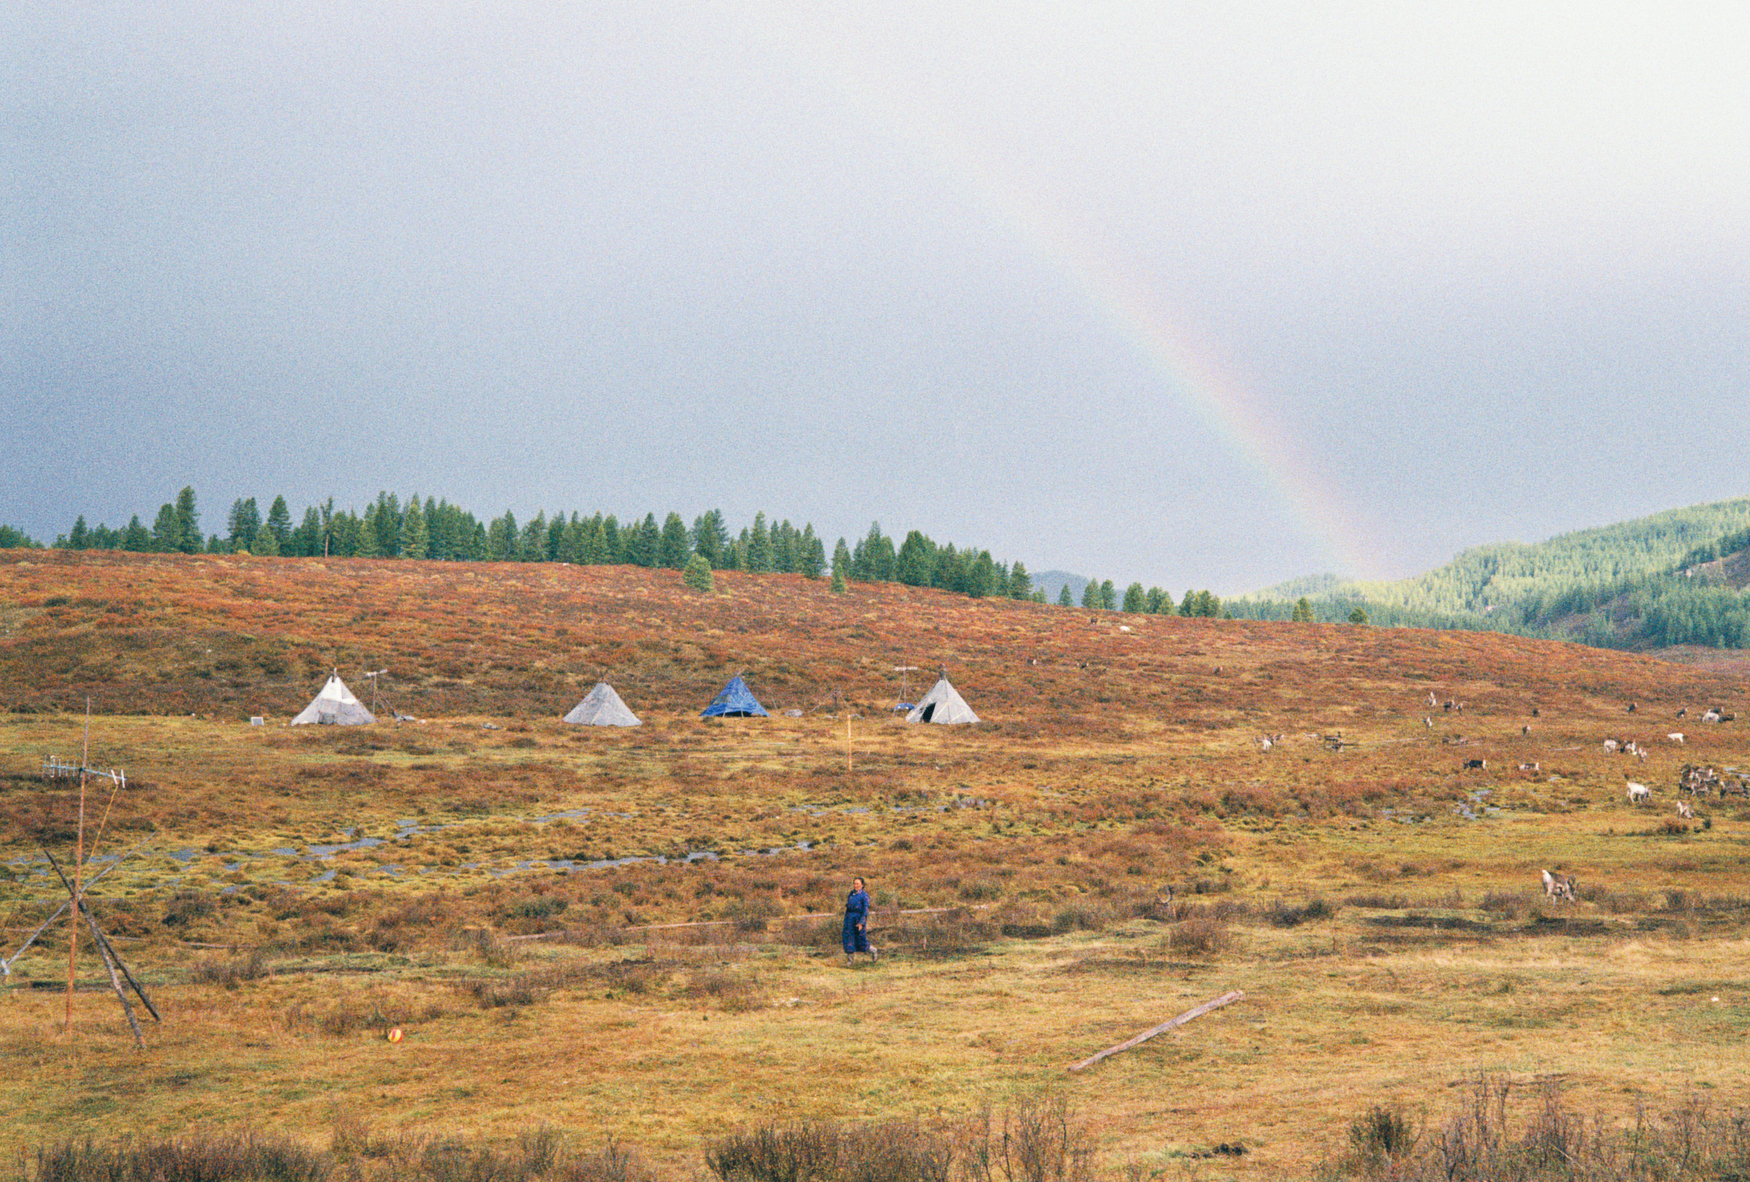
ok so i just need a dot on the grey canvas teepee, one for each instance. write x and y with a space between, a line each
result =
602 707
942 704
335 705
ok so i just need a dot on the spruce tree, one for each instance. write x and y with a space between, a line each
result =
1020 582
415 538
759 546
1303 611
710 537
674 545
188 522
811 560
80 537
698 574
533 547
267 544
307 538
242 524
1091 595
166 530
1135 598
841 561
279 520
1064 599
1108 596
137 538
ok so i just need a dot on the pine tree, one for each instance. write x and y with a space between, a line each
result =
698 574
80 537
307 538
1189 606
1135 598
981 576
415 538
1020 582
503 539
1091 595
838 581
279 520
811 559
841 561
1358 616
1108 596
1063 597
533 546
674 545
710 537
137 538
759 546
915 565
1303 611
242 524
267 544
646 542
188 522
166 531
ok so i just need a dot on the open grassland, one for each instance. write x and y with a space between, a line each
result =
500 886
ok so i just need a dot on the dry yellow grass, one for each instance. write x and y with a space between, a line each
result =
1117 764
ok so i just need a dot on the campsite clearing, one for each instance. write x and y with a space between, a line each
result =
491 880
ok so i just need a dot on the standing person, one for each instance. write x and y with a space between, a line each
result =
856 934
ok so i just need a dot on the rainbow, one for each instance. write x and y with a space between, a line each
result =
1218 400
1243 425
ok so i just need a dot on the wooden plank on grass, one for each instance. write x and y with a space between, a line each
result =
1188 1015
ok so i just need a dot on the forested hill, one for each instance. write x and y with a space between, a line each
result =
1659 580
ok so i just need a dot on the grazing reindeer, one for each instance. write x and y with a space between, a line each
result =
1559 887
1610 745
1476 765
1686 810
1676 737
1432 700
1638 792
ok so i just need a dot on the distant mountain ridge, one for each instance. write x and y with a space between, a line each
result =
1668 578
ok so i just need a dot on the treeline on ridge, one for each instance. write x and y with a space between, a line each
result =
433 528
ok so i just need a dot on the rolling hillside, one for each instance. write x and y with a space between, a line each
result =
630 936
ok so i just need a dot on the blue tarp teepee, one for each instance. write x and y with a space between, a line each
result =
735 701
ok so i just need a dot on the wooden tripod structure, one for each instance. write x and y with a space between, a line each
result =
54 768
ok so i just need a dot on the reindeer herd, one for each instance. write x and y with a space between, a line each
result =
1695 780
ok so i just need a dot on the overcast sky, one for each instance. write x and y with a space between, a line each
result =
1197 294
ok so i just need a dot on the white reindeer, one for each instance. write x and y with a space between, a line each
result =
1638 792
1676 737
1559 887
1686 810
1610 745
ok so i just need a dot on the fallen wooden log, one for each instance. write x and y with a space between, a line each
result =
1188 1015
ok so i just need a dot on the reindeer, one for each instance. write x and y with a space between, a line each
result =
1675 737
1686 810
1559 887
1638 792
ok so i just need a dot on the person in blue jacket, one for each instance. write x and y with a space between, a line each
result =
856 934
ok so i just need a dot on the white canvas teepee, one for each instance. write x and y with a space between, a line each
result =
942 704
602 707
335 706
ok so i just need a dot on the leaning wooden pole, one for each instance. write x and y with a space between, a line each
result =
78 872
1188 1015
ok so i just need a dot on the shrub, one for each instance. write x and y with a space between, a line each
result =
1284 916
1198 936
